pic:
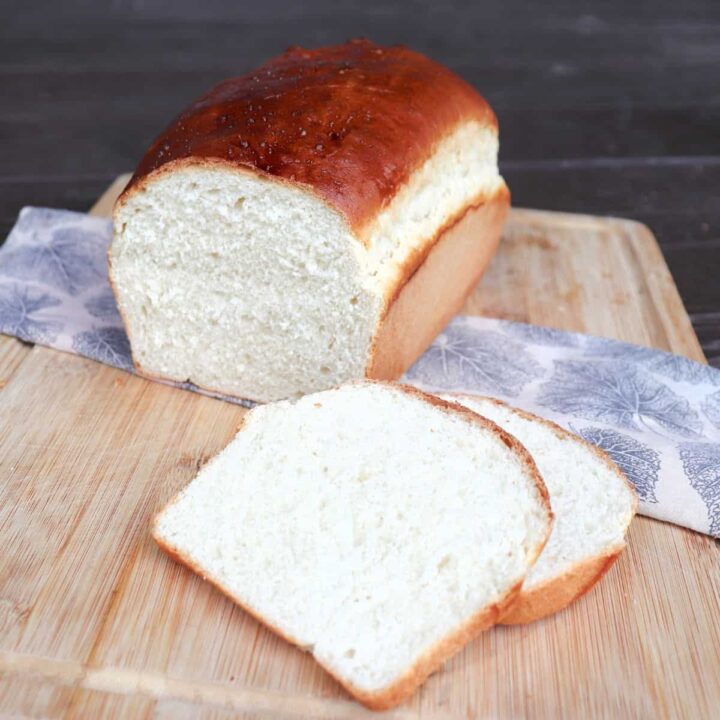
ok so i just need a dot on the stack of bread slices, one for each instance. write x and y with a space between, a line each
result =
381 528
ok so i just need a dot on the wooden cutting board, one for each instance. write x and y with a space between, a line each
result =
95 622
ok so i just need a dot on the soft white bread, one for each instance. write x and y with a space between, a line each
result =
279 239
377 527
592 500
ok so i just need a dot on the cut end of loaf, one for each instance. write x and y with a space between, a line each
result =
254 287
376 526
239 284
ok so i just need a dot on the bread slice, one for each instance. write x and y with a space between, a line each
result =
377 527
314 222
593 504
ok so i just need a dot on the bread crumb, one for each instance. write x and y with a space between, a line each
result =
187 460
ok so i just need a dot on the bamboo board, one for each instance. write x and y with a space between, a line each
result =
95 622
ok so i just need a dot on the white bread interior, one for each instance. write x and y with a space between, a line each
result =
592 501
257 288
367 525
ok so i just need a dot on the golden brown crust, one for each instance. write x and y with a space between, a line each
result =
435 656
558 592
406 685
350 122
498 201
434 287
555 594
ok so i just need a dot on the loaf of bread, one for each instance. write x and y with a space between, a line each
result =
377 527
592 500
315 221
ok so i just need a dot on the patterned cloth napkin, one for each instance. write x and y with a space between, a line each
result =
656 414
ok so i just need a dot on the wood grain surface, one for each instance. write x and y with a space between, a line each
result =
96 622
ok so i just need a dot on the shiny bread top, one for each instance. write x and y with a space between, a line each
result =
350 122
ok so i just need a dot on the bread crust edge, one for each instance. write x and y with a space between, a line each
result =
557 593
435 283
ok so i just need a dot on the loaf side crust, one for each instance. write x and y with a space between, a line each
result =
448 646
351 122
434 286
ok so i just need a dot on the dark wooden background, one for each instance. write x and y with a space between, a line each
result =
608 107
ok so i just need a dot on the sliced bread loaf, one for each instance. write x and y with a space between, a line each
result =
377 527
593 504
316 221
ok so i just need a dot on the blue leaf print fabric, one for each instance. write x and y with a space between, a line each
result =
656 414
70 261
542 335
103 305
701 462
24 313
109 345
617 393
640 463
54 286
711 408
674 367
488 361
642 403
